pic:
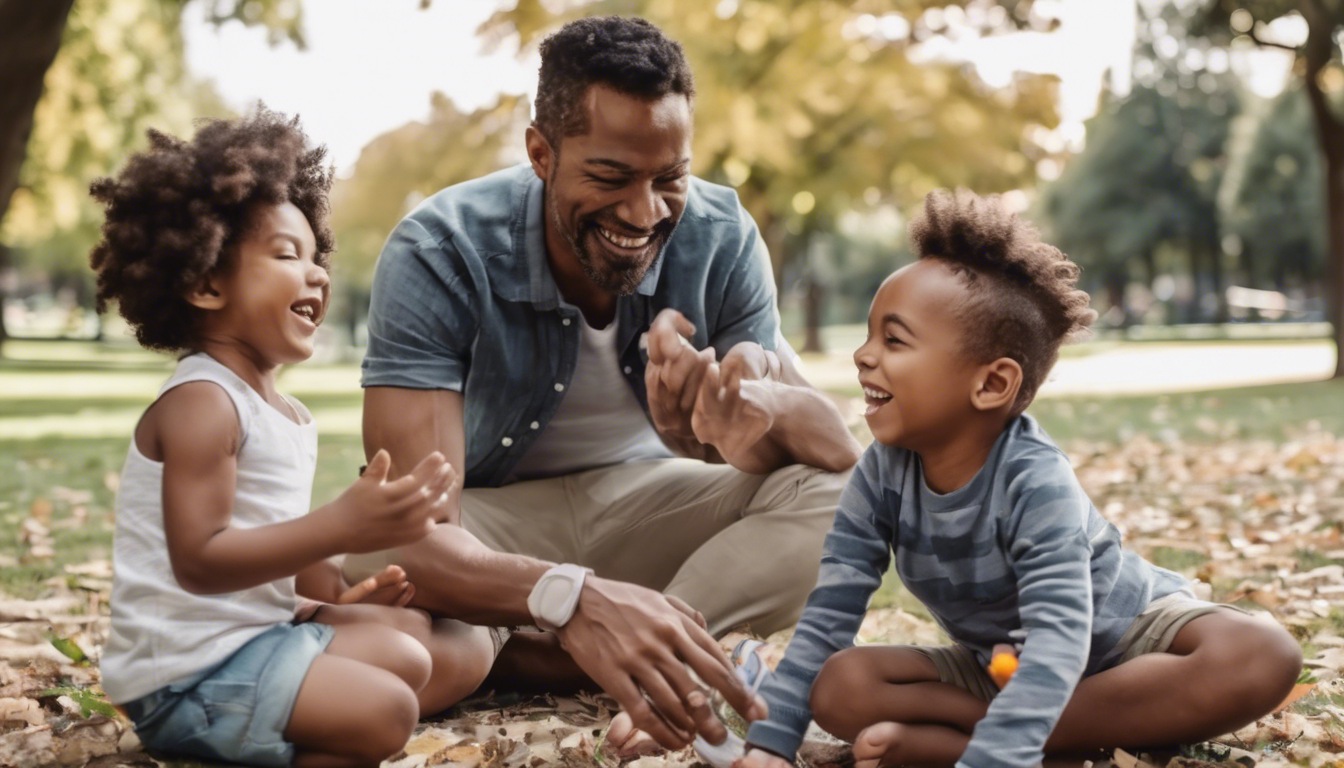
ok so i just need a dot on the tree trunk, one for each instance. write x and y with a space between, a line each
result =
1217 274
30 35
814 302
1316 54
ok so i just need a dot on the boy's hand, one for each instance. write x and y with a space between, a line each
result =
759 758
389 587
374 514
673 374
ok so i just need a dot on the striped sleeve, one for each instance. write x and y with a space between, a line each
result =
855 556
1050 554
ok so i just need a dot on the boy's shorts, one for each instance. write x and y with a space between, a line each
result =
1153 631
236 712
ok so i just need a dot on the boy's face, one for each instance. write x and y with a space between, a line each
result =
917 384
615 193
274 294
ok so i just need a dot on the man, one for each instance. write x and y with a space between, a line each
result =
506 330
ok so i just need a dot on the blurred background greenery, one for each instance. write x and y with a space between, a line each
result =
1191 196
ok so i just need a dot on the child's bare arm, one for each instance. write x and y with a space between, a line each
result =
320 581
197 432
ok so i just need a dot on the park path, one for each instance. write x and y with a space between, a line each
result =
1148 368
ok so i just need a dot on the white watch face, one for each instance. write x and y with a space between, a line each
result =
553 601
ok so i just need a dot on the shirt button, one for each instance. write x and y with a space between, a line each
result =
565 321
627 370
535 425
559 387
507 441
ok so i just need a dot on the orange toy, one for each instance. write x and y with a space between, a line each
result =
1002 667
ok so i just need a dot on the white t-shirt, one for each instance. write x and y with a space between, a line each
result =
599 422
160 632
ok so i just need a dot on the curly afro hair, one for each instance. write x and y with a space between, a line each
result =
630 55
177 209
1023 298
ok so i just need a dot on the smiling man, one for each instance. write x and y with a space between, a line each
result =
591 339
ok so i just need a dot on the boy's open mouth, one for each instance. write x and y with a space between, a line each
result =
875 398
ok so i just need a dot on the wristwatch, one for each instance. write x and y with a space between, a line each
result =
556 595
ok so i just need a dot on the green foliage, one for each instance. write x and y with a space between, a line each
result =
70 649
89 701
402 167
813 109
1281 180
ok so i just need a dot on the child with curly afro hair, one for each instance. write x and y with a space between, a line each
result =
217 248
989 528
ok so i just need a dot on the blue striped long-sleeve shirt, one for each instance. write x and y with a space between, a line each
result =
1018 548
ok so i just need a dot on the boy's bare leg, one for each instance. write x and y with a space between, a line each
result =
328 727
1222 671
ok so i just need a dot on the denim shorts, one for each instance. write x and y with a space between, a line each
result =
236 712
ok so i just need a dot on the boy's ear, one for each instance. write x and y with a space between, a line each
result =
996 385
204 295
539 153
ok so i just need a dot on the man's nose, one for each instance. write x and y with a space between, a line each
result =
643 208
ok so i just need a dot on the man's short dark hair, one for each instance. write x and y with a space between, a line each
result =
1024 300
628 54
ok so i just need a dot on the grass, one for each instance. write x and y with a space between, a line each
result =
68 408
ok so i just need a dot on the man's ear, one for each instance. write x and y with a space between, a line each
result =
996 385
204 295
540 153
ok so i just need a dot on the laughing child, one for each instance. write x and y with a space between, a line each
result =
990 529
218 249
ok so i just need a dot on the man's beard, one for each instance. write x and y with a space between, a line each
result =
617 277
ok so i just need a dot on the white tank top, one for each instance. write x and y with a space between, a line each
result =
599 422
160 632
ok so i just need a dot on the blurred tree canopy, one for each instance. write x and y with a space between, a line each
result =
1247 23
1146 185
813 109
78 87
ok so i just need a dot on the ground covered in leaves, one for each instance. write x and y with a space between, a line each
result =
1260 522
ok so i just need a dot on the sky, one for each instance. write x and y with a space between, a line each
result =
366 72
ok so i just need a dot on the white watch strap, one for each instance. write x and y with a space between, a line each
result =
555 597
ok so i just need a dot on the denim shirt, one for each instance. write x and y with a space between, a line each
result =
464 300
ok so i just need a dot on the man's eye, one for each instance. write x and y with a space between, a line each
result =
672 181
607 182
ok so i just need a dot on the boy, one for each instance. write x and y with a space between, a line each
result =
990 529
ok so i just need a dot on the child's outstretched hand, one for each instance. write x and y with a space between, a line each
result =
375 514
1002 664
388 587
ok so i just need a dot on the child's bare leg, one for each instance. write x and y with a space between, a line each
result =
329 727
460 654
1223 670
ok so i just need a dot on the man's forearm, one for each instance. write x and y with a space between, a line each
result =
809 430
457 576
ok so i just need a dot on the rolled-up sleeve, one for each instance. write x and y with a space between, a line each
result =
748 311
423 317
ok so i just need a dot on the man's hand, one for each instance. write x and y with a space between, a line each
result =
638 645
389 587
374 513
759 758
674 372
736 408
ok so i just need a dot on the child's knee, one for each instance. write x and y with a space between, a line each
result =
1257 667
393 714
837 694
408 659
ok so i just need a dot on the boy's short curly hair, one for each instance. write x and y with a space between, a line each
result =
628 54
1023 298
177 209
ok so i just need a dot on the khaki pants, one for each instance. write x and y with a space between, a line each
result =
740 548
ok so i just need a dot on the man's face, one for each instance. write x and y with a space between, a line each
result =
615 193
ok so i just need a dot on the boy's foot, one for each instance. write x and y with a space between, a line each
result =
872 743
